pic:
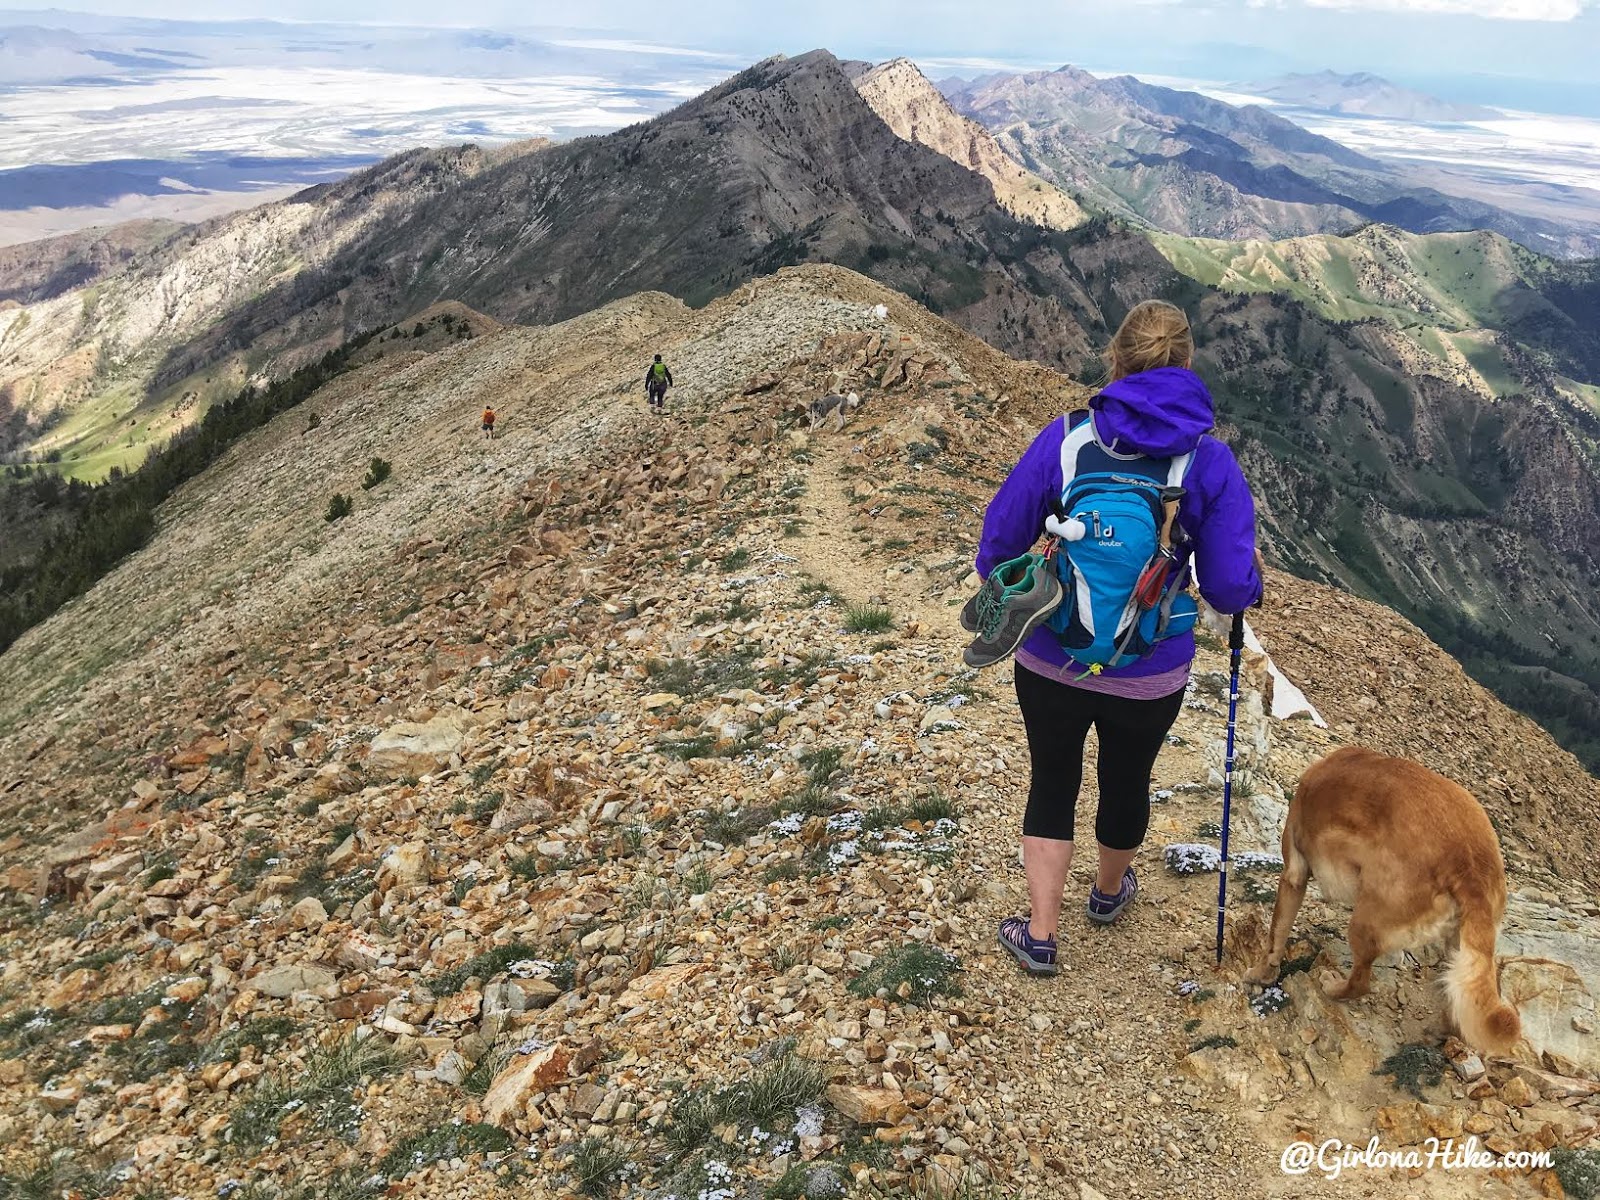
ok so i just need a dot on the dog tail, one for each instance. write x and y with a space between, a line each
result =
1484 1018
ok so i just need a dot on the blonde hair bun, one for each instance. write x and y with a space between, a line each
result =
1153 334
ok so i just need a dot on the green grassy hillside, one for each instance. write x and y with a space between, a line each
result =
1452 293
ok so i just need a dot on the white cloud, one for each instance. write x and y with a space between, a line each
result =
1500 10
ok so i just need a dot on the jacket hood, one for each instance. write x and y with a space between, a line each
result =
1160 413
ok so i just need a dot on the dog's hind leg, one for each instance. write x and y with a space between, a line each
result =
1291 893
1375 929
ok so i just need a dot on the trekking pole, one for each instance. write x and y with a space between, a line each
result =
1235 652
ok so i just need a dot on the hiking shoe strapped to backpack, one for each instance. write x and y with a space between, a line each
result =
1018 596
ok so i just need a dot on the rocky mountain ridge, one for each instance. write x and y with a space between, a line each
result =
605 807
1393 470
1366 94
86 370
1193 165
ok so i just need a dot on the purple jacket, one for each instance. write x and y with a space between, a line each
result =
1161 413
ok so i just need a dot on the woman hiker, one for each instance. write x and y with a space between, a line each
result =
1154 407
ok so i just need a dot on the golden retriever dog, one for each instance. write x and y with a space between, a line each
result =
1415 855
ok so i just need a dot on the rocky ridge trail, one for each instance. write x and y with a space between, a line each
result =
606 807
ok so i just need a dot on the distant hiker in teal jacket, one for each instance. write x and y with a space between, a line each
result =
1154 407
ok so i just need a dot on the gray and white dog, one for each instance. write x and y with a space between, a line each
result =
834 406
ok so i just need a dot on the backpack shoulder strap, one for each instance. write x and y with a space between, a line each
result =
1179 468
1077 435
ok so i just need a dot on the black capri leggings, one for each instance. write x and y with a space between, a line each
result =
1132 732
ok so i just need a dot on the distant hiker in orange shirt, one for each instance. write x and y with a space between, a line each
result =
488 423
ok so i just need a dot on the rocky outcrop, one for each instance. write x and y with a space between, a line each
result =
900 94
1190 164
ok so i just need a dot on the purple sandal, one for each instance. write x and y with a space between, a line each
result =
1038 955
1106 909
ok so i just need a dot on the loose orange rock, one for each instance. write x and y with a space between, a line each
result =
523 1077
867 1105
1516 1092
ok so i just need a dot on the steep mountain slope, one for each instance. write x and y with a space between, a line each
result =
36 271
1189 164
81 372
782 163
563 817
912 107
1436 285
1365 94
1473 516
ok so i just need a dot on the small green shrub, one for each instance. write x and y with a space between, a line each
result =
1413 1067
1294 966
731 829
820 764
483 966
451 1140
784 872
263 1033
340 507
377 471
683 749
323 1090
814 801
56 1173
772 1094
1578 1172
99 959
485 807
935 807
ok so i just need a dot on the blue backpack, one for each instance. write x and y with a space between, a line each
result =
1118 599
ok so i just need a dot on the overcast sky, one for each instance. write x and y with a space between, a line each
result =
1520 45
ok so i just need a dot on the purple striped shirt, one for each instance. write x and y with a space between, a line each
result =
1129 687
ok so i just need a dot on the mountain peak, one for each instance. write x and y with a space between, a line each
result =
915 109
1365 94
